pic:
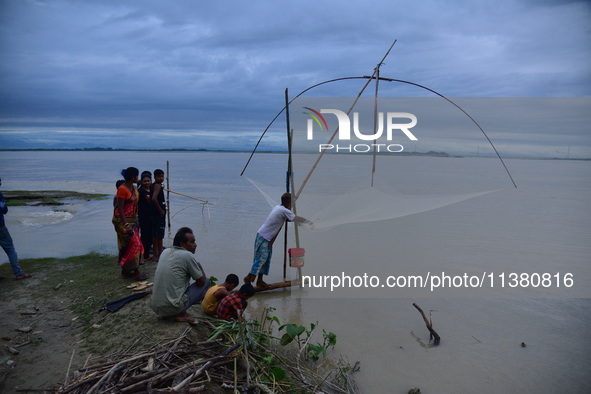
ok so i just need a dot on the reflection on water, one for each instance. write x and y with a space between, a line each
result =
421 341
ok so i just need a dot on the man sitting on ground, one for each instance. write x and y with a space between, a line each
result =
217 292
234 304
172 295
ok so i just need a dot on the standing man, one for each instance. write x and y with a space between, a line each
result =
7 244
263 244
172 295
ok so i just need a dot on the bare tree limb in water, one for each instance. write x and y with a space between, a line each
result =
432 334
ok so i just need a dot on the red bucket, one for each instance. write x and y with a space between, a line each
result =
296 257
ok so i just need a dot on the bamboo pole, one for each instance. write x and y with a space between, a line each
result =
285 253
168 195
287 179
375 120
293 202
295 211
307 177
291 181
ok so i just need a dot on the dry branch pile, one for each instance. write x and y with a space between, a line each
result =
190 364
178 366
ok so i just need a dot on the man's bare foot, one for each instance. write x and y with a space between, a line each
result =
185 317
262 283
249 278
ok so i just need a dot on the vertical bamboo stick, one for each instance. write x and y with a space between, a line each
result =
168 195
375 121
307 177
287 178
290 182
295 211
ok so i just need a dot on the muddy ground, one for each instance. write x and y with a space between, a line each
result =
43 340
52 327
38 336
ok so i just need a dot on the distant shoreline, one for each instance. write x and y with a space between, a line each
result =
131 150
175 150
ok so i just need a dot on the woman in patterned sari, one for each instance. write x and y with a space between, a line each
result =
125 220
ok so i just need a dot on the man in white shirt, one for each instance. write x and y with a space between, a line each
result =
263 246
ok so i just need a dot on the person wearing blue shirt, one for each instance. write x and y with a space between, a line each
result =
7 244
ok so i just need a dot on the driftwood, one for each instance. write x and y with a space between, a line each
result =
432 334
273 286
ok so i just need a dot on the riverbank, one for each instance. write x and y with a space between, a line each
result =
54 329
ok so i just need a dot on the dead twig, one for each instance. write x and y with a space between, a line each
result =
205 367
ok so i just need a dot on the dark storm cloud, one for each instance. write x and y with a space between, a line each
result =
118 70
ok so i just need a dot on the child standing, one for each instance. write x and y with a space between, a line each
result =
145 213
158 213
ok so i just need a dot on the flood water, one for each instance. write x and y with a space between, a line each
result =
542 227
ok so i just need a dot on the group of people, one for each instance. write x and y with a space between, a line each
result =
173 293
180 281
139 211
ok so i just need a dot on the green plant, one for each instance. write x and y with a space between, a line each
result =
271 366
293 332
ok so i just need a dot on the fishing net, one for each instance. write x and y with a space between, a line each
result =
360 167
428 155
407 188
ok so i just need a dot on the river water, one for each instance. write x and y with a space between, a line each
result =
478 241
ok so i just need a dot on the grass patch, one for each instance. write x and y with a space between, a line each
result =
84 283
87 281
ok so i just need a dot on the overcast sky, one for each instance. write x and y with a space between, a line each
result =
212 74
